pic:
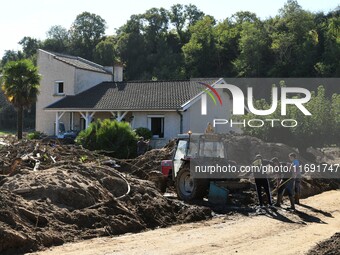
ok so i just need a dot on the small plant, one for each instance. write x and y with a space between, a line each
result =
144 132
83 159
34 135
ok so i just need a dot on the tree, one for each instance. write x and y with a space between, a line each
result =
105 52
335 112
294 42
183 17
58 39
254 51
131 47
319 129
20 83
200 52
29 46
86 32
11 55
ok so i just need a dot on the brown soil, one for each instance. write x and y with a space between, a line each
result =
279 232
330 246
52 193
70 200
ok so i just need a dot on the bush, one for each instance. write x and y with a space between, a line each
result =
144 132
116 138
35 135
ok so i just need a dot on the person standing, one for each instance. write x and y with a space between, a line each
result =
209 129
285 184
261 180
297 176
142 146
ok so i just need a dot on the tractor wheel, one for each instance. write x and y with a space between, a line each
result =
189 188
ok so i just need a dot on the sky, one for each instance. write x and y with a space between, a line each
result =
19 18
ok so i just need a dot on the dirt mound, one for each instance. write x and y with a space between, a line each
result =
243 149
329 247
65 199
51 193
148 162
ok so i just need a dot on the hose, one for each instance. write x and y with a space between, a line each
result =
122 177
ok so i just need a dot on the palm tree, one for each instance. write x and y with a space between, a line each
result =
20 83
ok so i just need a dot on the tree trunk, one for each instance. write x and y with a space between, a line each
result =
20 121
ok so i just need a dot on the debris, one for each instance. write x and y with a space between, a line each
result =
51 193
66 198
330 246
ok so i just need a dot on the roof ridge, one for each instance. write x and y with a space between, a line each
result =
86 61
90 62
151 81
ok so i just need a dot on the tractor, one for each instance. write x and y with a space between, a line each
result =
193 147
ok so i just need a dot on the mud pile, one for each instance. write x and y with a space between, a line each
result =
148 162
51 193
75 196
330 246
243 149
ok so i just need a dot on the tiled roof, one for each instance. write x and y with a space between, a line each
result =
79 62
144 95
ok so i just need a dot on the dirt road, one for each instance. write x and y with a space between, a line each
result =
277 232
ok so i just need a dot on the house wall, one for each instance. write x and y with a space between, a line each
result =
86 79
171 125
197 123
75 81
51 70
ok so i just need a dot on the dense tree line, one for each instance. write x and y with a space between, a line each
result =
320 129
183 42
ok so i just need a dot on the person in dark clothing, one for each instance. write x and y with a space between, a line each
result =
261 180
285 184
142 146
297 176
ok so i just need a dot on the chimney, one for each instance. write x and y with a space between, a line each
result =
118 72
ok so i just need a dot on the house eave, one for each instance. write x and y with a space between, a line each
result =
108 110
188 104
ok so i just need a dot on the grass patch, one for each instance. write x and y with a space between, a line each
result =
7 132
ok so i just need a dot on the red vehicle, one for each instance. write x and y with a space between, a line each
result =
177 170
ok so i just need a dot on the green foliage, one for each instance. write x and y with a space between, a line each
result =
182 42
319 129
201 50
144 132
29 46
105 53
254 51
58 39
86 32
35 135
11 55
110 136
83 159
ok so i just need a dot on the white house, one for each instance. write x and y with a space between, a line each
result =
74 91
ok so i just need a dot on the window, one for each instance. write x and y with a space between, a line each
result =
156 125
59 88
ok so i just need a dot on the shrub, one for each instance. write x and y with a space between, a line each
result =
35 135
116 138
144 132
